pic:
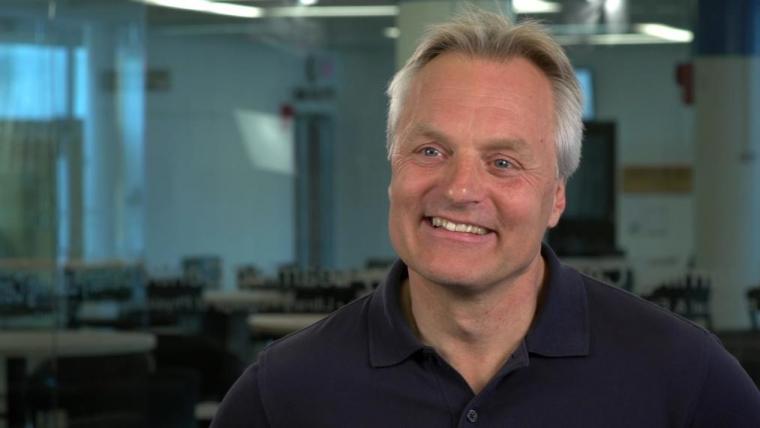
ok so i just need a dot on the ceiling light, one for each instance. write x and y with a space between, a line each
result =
535 6
666 32
307 2
210 7
332 11
609 39
242 11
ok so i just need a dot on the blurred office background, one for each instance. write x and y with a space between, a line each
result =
183 181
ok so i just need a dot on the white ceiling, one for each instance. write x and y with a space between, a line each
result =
678 13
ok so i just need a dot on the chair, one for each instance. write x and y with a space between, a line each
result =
190 370
216 368
93 391
325 298
612 270
174 393
25 293
753 298
688 296
173 301
100 295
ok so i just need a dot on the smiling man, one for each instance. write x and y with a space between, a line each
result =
478 323
475 185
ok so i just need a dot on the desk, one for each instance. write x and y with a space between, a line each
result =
68 343
246 300
281 324
31 346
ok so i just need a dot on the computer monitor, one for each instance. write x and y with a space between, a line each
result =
587 227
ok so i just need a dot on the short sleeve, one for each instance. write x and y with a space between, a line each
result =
242 406
728 397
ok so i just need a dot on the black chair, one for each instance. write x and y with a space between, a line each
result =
93 391
174 393
24 293
215 367
324 298
106 285
173 302
688 297
753 298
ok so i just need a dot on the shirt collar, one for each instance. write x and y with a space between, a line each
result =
391 340
560 328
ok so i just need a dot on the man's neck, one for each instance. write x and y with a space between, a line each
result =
474 332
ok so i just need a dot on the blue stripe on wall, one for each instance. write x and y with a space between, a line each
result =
728 27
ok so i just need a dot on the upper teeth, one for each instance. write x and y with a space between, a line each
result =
455 227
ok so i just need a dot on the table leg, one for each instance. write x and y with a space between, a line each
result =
12 406
3 393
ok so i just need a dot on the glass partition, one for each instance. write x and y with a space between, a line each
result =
72 137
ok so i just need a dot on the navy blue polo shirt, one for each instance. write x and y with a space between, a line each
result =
595 356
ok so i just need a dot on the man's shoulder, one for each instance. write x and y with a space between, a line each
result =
645 335
342 335
668 354
316 369
621 313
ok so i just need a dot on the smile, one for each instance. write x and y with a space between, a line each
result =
457 227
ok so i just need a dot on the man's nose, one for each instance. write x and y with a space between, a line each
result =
464 181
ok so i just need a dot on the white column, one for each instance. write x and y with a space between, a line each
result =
727 182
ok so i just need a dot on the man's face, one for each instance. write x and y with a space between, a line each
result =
474 153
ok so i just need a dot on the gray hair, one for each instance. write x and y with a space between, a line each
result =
488 35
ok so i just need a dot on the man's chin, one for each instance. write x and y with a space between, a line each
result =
466 281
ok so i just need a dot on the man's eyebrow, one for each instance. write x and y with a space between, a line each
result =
515 144
425 130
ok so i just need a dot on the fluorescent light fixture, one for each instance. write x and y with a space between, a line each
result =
307 2
622 39
206 6
642 34
610 39
304 11
331 11
535 6
666 32
207 29
391 32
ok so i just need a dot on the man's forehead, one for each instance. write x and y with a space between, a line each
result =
464 79
490 142
485 65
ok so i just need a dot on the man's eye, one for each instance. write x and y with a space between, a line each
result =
502 163
430 152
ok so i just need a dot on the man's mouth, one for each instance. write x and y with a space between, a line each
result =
457 227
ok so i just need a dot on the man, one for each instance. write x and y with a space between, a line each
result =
479 324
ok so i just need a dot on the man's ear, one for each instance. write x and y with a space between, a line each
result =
558 207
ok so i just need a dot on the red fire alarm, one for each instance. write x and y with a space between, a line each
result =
685 79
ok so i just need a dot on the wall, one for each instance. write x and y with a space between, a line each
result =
362 171
635 86
205 195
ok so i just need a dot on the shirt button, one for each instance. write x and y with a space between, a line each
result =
472 416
